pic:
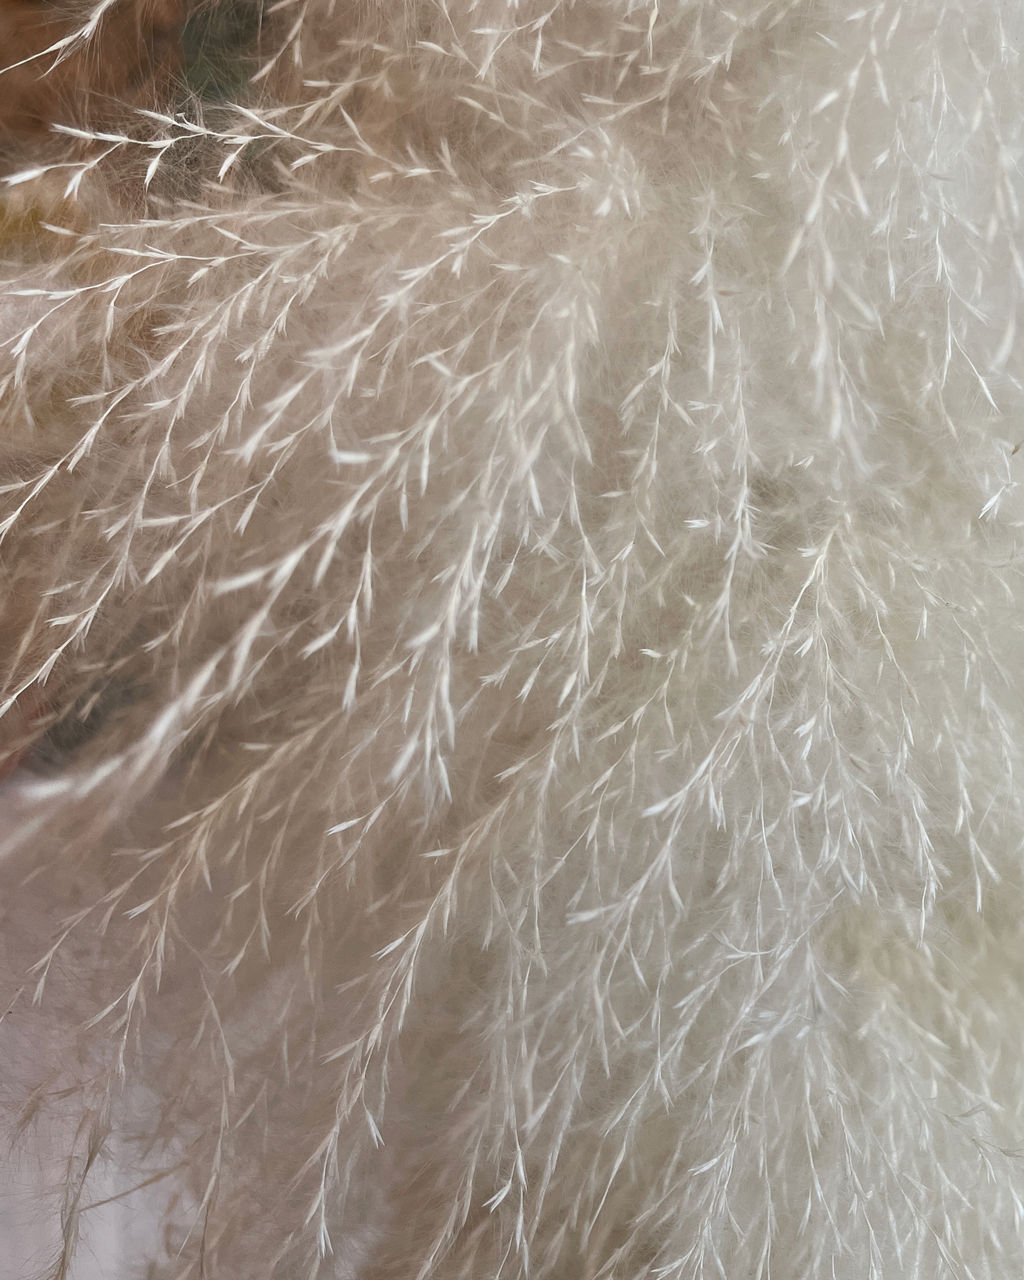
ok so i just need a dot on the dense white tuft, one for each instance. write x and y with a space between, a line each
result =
512 531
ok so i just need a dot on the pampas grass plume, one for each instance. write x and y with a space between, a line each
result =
510 537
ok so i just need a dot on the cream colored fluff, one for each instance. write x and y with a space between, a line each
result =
528 511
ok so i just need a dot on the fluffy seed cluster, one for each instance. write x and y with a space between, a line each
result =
511 578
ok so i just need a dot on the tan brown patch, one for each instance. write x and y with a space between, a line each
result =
129 59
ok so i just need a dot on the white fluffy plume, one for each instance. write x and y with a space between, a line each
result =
512 533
